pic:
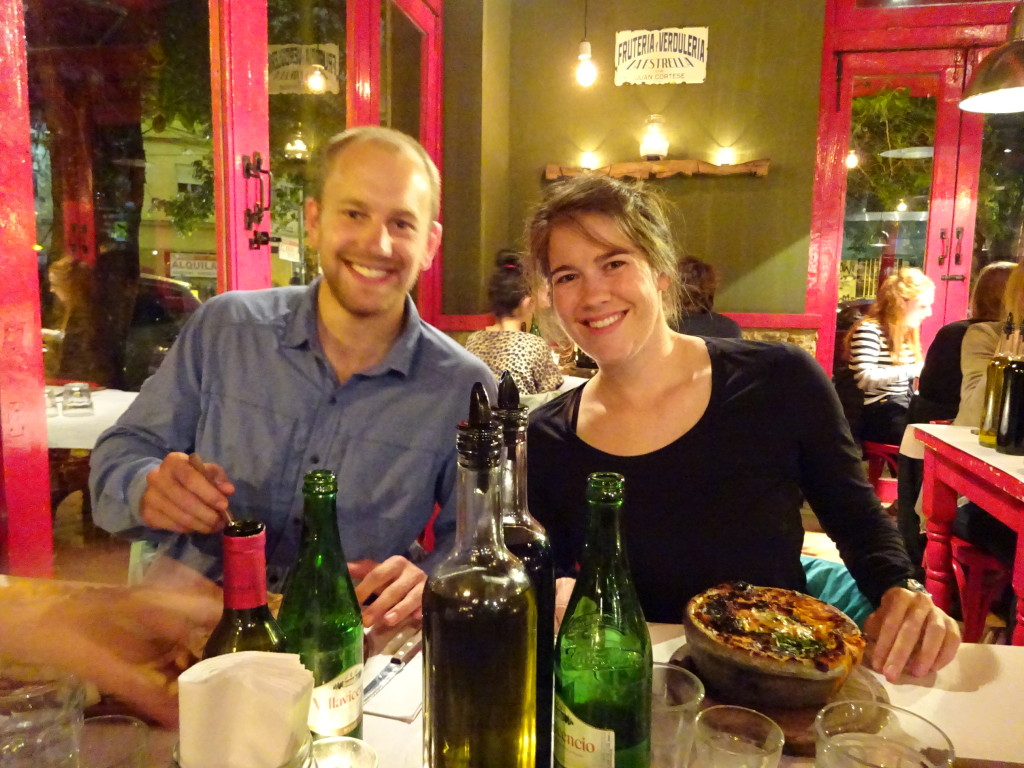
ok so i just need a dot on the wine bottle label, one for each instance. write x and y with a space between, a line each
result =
337 705
579 744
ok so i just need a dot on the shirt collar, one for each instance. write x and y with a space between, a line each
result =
301 329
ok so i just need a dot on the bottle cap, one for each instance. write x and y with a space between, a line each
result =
510 413
478 440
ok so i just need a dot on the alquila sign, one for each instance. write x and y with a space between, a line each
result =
655 57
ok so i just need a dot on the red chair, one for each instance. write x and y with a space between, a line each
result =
881 456
980 578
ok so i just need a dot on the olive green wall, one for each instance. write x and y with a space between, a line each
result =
760 98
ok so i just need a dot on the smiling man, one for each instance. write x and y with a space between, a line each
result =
342 375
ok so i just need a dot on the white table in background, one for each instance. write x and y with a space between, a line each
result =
82 432
978 701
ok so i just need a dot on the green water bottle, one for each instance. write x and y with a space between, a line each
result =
321 617
527 540
603 654
479 624
246 623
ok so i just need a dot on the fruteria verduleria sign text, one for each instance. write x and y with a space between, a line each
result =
657 56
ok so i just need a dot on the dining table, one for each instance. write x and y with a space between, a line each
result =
82 432
956 464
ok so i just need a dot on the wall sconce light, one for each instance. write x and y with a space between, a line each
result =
316 82
998 83
654 144
589 161
586 72
852 159
725 156
296 148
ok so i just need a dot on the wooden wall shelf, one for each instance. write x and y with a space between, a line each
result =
662 169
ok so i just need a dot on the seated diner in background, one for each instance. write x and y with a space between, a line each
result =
505 345
938 397
698 283
885 353
720 440
342 374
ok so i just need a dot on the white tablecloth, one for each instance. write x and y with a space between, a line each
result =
82 431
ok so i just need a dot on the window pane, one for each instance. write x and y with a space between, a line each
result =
120 118
1000 191
307 107
401 49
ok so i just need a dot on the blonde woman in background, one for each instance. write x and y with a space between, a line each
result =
885 352
979 345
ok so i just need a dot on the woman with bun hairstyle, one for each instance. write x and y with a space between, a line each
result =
504 345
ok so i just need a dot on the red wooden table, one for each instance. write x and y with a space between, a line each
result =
956 465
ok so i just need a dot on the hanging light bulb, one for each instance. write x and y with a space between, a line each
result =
586 72
296 148
317 80
852 159
654 144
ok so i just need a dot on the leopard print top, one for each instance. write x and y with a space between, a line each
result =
524 355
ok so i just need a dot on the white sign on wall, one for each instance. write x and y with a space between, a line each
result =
183 265
659 56
288 250
291 65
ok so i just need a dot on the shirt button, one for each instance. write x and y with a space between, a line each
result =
315 459
333 400
297 522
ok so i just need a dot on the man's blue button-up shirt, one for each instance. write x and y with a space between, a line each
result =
247 386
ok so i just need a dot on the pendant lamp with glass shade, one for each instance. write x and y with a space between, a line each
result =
998 82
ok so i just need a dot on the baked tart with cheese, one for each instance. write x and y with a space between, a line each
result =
766 646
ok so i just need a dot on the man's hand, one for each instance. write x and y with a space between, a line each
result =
397 585
180 498
910 634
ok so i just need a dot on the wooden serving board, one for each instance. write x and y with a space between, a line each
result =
798 724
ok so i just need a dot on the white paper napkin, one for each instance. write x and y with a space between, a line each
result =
243 710
402 697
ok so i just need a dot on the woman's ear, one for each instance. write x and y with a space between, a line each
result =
663 281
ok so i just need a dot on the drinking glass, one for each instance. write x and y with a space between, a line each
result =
857 734
114 741
676 694
51 402
40 718
343 752
77 399
727 736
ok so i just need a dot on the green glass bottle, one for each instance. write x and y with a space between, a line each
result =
527 540
603 655
321 616
246 623
479 624
994 386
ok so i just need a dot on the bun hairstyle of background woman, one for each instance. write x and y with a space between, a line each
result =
507 285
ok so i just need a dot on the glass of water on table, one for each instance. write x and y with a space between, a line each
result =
869 734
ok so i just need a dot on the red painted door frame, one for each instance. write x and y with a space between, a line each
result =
26 532
848 29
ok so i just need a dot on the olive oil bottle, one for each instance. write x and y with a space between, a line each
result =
479 624
994 386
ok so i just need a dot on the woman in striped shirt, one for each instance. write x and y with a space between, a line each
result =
885 352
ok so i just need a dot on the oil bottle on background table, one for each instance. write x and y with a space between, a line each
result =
321 616
479 624
994 384
603 655
527 540
246 623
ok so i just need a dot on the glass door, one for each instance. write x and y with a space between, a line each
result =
908 187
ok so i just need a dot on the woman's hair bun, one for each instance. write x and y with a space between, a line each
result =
509 259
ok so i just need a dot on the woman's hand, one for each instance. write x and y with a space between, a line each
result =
910 634
563 589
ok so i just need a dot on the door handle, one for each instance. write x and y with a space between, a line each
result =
959 243
252 168
943 236
954 278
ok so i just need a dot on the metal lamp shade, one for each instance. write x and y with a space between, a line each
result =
998 83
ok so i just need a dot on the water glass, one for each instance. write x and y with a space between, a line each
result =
40 719
51 402
343 752
735 737
114 741
77 399
857 734
676 694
